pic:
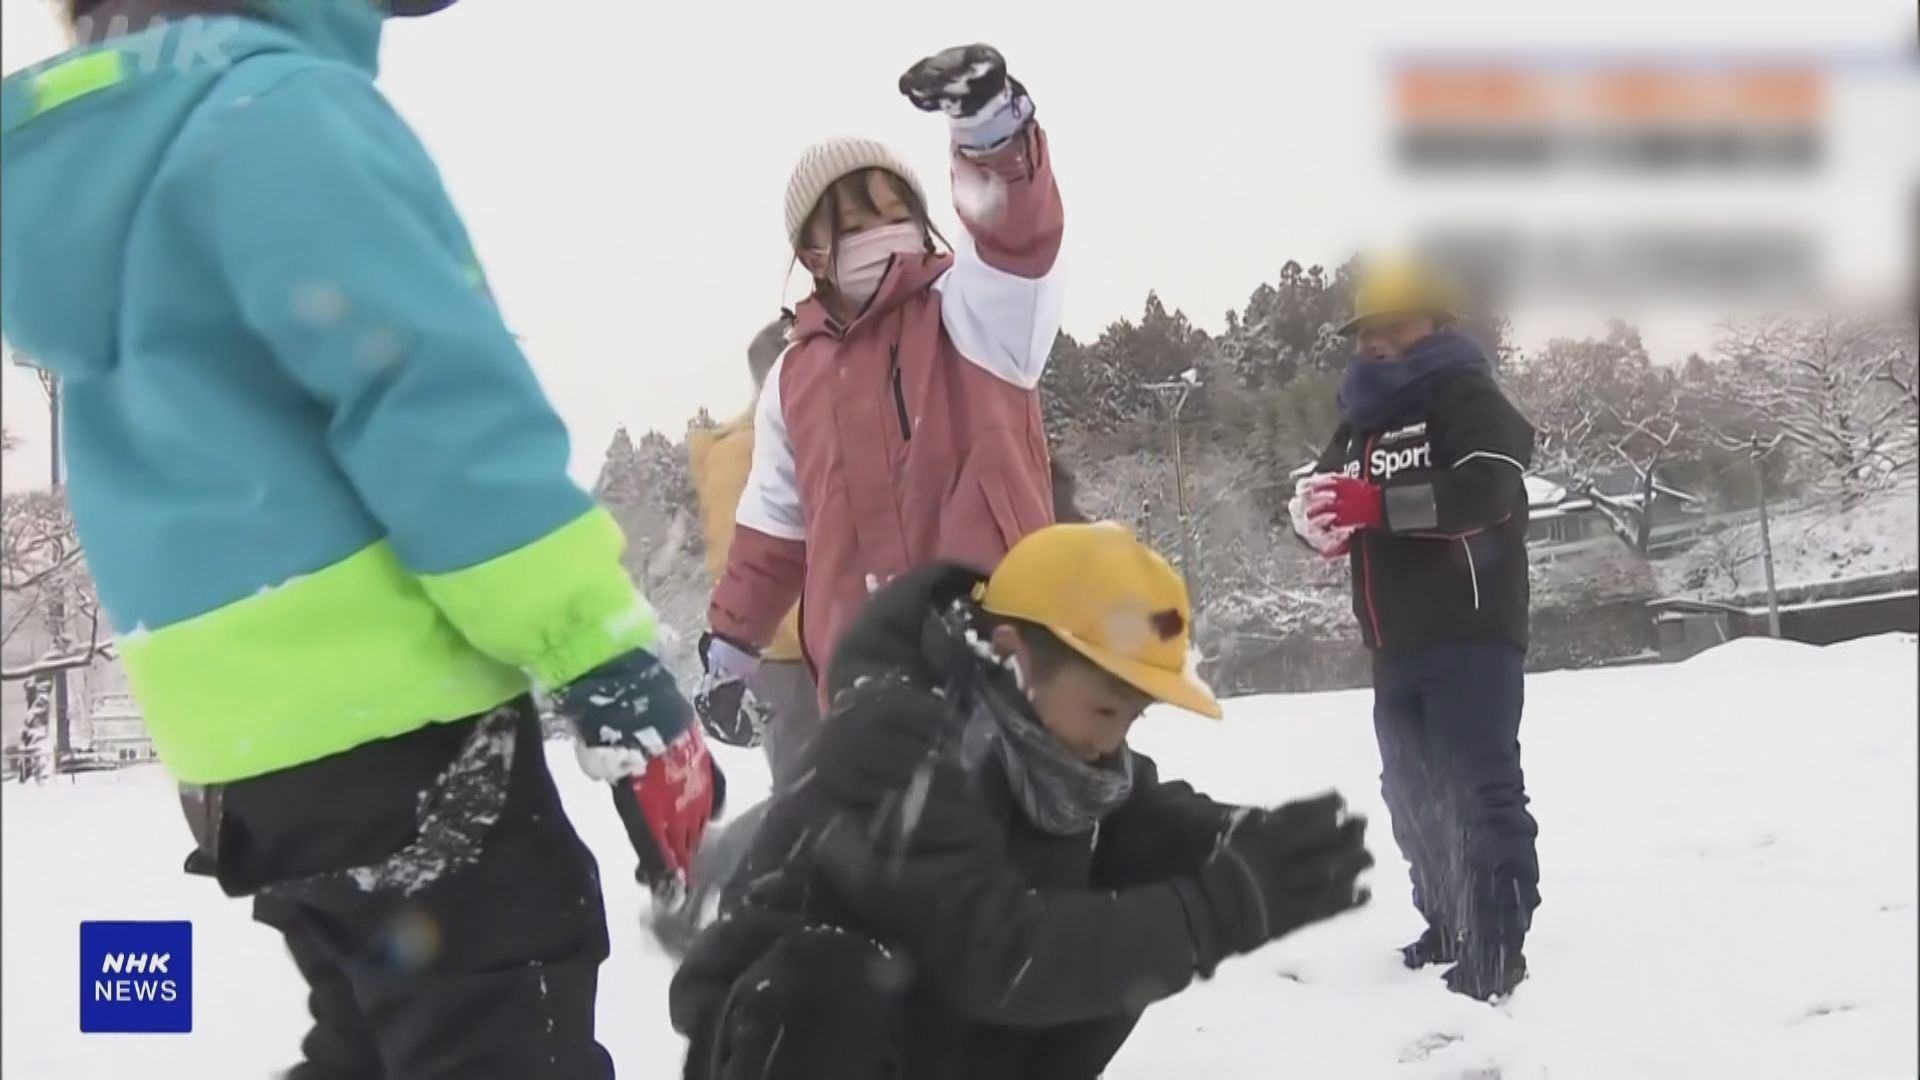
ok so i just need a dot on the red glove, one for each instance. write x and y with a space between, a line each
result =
675 798
1342 502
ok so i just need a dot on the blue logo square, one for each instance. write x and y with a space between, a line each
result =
136 977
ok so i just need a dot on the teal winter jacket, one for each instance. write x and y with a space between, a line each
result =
321 491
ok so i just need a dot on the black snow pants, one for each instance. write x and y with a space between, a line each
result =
446 917
1448 723
813 1002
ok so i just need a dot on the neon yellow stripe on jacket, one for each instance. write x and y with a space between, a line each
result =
557 608
360 651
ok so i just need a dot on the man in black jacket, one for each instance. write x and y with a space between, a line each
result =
1422 488
975 877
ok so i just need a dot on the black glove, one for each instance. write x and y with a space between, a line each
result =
1276 872
726 708
960 81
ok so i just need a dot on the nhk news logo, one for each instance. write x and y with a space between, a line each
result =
136 977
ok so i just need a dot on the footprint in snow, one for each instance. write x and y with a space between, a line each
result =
1815 1012
1424 1047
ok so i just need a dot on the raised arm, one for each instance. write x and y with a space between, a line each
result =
1001 302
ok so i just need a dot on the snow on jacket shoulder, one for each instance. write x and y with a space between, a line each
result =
913 433
720 460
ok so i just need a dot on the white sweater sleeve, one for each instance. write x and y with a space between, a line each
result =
1000 321
771 502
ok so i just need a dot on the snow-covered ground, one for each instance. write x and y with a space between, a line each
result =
1729 849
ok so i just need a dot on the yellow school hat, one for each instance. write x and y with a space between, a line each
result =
1110 598
1399 288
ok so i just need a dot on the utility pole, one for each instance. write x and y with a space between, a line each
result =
1174 395
1766 536
59 644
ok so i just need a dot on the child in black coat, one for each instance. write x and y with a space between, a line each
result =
975 876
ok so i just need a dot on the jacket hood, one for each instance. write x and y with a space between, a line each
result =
702 440
83 135
902 630
908 277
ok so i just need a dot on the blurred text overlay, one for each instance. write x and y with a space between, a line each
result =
1723 181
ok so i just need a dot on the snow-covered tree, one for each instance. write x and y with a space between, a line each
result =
648 489
1598 404
44 582
1837 390
1097 393
1290 327
30 754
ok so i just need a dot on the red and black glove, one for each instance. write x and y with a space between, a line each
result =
1343 502
635 731
666 809
1330 542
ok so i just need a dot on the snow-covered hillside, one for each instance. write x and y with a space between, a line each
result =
1729 849
1813 542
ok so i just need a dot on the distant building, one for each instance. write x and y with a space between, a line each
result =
1678 517
1608 503
117 731
1623 486
1560 522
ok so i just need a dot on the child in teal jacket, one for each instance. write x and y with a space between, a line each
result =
326 504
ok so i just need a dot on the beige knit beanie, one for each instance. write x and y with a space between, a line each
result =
825 163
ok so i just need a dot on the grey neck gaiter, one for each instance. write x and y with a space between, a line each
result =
1060 794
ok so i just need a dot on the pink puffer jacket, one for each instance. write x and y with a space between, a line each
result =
913 433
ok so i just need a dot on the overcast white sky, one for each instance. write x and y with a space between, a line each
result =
621 165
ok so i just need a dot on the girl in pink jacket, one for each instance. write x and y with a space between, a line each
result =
903 422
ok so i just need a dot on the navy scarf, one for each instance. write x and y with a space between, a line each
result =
1377 392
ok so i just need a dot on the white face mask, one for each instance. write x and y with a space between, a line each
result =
865 256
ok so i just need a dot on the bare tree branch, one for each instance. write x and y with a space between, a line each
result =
44 582
53 665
